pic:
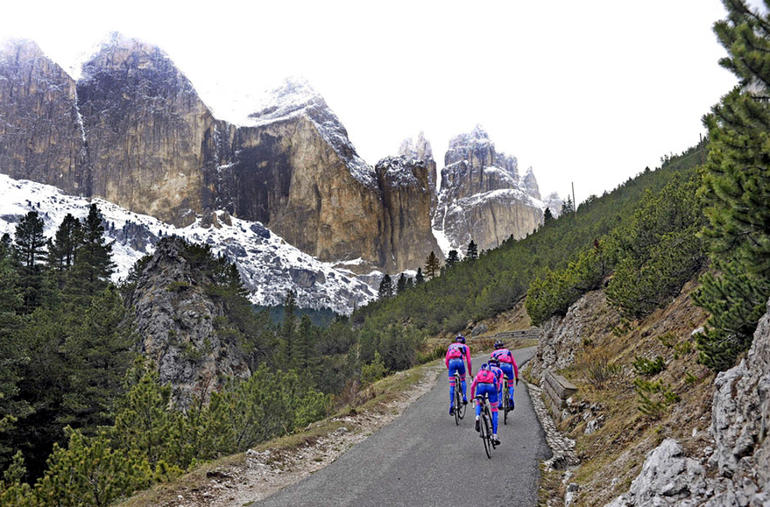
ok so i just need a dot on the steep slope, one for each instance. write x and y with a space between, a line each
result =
41 132
297 172
407 199
145 126
269 266
178 322
482 196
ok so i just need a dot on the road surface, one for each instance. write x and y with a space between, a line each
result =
423 458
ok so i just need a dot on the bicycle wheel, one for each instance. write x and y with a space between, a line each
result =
458 400
505 404
460 406
485 435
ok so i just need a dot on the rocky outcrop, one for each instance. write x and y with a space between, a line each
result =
563 337
740 457
296 171
482 197
145 126
176 320
420 149
405 185
41 133
668 477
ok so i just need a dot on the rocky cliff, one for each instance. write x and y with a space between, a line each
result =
296 171
178 323
482 196
145 126
407 198
134 131
41 132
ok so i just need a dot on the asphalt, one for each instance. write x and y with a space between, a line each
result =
423 458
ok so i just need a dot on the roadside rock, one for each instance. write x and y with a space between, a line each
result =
740 419
667 477
564 336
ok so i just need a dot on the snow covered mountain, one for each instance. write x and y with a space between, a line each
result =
268 265
483 198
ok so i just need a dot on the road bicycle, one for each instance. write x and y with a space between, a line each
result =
459 405
485 425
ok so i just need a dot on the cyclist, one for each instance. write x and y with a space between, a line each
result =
509 367
455 354
487 383
494 366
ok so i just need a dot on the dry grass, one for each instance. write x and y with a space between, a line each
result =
612 456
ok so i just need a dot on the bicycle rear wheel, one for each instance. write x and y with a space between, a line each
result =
486 436
458 401
461 407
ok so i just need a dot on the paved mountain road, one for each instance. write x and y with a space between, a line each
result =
423 458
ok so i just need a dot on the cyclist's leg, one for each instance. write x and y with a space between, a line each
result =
508 370
493 407
453 367
462 380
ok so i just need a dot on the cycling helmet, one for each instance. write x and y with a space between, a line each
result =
460 338
484 366
494 362
499 344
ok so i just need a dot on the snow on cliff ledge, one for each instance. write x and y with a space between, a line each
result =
295 97
268 265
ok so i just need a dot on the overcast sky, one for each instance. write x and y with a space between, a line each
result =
585 91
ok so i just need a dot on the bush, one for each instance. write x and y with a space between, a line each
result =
374 371
647 367
654 397
601 371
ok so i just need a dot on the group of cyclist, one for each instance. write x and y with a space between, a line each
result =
488 380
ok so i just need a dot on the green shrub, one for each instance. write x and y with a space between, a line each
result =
647 367
654 397
374 371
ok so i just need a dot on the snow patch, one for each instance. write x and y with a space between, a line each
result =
268 265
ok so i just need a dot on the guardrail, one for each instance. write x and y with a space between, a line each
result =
557 389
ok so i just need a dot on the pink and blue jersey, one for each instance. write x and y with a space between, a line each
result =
509 367
487 382
456 355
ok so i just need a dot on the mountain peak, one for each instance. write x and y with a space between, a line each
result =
22 49
419 148
117 49
293 95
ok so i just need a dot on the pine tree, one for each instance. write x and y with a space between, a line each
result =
736 189
401 284
452 258
97 355
419 278
547 216
305 342
30 250
432 265
568 206
473 251
386 287
288 329
61 250
93 264
409 283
